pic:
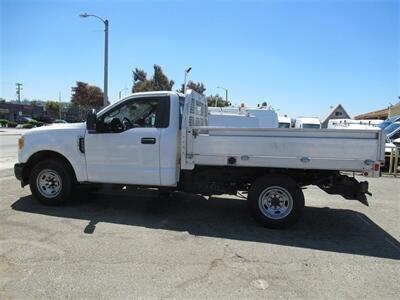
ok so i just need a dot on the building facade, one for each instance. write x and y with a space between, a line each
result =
394 110
337 112
14 112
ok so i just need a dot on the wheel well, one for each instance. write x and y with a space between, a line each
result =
45 155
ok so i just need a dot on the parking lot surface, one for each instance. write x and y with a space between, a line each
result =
134 245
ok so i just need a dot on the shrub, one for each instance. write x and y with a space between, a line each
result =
3 122
12 124
35 123
28 126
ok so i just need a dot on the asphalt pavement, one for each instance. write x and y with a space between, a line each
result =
8 147
133 245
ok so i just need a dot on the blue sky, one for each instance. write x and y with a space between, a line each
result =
299 56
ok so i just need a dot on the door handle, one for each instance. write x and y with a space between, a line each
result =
148 140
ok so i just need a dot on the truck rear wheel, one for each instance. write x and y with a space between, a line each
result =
276 201
51 182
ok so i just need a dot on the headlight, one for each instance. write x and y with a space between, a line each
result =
21 143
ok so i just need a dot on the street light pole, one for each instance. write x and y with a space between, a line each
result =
226 94
106 23
120 92
59 105
184 83
105 63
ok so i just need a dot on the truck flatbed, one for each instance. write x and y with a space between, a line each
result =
316 149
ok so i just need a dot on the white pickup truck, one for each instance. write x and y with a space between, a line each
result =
161 140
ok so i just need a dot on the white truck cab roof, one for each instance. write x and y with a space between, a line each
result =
307 122
284 122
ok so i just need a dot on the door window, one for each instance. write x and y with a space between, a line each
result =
136 113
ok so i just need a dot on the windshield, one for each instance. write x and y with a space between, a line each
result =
284 125
389 121
315 126
384 124
391 128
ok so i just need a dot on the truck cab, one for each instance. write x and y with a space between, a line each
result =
308 123
124 142
136 140
284 122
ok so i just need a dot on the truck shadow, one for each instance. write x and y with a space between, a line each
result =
326 229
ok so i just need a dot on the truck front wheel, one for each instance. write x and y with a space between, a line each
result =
51 182
275 201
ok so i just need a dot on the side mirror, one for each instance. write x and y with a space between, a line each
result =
91 121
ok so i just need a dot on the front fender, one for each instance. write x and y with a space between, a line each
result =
63 144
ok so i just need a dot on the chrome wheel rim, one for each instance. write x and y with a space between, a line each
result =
48 183
275 202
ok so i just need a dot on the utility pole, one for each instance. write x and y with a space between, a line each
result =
59 105
105 101
19 88
120 92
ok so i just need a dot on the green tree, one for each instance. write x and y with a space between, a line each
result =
85 95
52 107
212 99
140 81
198 87
159 81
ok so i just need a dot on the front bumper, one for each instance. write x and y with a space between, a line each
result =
19 171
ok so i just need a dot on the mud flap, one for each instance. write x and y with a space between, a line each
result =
347 187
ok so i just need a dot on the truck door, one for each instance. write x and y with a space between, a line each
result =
125 148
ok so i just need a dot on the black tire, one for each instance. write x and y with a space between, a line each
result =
61 172
285 192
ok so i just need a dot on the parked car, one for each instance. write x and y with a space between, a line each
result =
58 121
396 142
393 130
25 119
389 145
43 119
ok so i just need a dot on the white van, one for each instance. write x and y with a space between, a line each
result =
353 124
284 122
242 117
232 120
303 122
267 118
